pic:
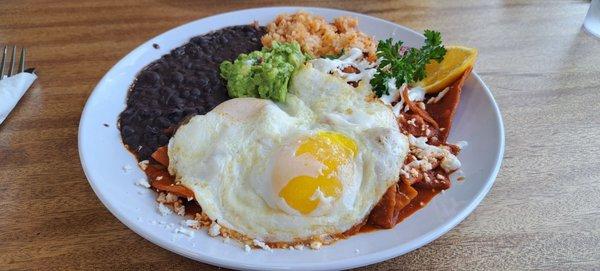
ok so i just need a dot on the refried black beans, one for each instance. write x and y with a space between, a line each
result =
182 83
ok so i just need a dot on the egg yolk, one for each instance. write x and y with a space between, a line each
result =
332 150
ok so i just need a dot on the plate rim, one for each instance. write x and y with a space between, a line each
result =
360 260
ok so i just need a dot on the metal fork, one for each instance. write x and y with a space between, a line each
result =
11 65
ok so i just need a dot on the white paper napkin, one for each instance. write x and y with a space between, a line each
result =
11 90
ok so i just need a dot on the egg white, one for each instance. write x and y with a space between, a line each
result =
226 157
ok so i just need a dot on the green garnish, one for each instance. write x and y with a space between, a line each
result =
409 67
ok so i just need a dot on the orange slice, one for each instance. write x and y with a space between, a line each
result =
443 74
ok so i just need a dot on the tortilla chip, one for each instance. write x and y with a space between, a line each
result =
443 111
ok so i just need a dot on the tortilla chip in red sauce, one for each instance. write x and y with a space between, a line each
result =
392 207
443 111
416 109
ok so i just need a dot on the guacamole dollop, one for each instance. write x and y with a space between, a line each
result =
263 74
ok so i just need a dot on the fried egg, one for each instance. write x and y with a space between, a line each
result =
309 168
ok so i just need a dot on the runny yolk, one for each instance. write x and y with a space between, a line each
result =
332 150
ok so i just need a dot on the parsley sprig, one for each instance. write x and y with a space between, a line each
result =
408 67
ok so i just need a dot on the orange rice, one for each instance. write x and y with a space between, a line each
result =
317 37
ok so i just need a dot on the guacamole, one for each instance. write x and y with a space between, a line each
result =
263 74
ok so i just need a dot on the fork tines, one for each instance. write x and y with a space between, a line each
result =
13 60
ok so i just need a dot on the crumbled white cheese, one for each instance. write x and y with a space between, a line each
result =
449 161
424 164
164 210
247 248
143 182
162 197
143 164
159 178
185 231
261 244
215 229
179 209
190 223
404 173
316 245
171 198
414 172
299 247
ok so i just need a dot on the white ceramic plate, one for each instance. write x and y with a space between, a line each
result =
104 158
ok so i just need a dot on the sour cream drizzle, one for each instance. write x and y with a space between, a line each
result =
448 162
354 57
414 94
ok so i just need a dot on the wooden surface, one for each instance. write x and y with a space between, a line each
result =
544 70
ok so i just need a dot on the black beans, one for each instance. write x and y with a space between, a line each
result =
196 92
149 78
182 83
178 52
163 140
127 130
150 130
189 111
176 102
144 112
131 140
192 50
162 122
177 77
